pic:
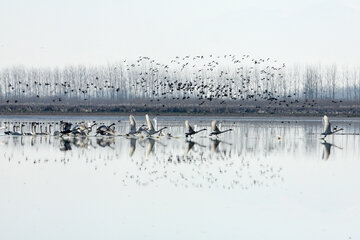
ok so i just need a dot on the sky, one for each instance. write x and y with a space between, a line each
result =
58 33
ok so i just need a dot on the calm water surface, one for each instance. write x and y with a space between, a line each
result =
267 179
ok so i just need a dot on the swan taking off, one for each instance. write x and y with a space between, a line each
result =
133 130
327 127
105 130
190 130
215 130
151 130
66 127
83 129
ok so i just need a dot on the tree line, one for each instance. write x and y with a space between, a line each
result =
182 79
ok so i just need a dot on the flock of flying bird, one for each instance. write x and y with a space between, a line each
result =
197 80
148 130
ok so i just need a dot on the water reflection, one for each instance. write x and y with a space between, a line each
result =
247 156
327 149
132 146
106 142
214 145
65 145
150 143
190 146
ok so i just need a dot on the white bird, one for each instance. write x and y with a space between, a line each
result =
32 130
151 130
215 130
82 129
45 132
77 129
105 130
133 130
190 130
17 133
327 127
132 125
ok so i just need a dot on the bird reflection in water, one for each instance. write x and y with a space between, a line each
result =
190 146
215 146
327 149
132 146
150 146
65 144
33 141
79 142
106 142
82 142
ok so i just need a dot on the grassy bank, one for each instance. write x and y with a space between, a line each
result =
344 109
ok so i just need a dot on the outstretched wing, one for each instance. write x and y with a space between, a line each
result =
83 126
188 126
327 125
102 128
214 127
132 124
76 127
149 123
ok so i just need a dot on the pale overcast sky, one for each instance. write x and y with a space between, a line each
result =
58 33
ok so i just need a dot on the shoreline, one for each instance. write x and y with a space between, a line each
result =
352 111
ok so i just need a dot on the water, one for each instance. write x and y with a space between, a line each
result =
268 179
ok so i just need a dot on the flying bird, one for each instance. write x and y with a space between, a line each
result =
327 127
151 130
190 130
215 129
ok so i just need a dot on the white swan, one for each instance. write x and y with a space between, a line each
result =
215 130
327 127
151 130
190 130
